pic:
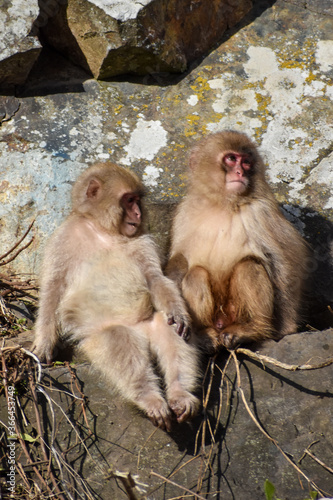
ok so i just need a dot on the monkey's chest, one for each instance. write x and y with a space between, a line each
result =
111 286
219 244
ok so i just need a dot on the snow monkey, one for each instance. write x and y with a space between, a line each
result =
236 259
102 284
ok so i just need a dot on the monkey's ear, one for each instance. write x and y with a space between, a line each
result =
94 188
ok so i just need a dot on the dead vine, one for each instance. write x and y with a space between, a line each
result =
205 454
15 288
41 463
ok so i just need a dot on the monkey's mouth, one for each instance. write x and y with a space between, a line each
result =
238 181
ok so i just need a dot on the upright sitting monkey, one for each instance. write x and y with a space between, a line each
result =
238 262
102 284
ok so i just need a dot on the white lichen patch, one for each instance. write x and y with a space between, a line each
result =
238 100
233 103
262 63
151 175
193 100
323 174
146 140
74 132
15 24
324 55
122 10
273 100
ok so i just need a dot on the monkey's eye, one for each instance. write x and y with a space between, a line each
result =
131 198
246 163
230 159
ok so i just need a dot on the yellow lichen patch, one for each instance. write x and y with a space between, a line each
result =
263 102
193 121
292 56
311 78
201 86
118 109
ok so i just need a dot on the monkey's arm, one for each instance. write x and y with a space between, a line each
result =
166 297
176 268
46 334
52 286
164 293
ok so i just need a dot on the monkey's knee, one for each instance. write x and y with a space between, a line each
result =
197 292
251 300
251 290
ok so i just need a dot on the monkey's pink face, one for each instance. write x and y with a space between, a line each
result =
131 222
238 168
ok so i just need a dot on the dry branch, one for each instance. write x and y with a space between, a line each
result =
274 441
166 480
11 250
266 359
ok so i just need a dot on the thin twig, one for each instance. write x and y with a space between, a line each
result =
16 244
17 430
320 462
40 433
285 366
274 441
166 480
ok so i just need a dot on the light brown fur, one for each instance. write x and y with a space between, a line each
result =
102 284
237 260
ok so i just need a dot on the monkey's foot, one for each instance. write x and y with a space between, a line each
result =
43 351
236 334
184 405
229 340
159 413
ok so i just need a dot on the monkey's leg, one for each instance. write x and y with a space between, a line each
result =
251 304
197 292
176 268
179 363
46 337
122 355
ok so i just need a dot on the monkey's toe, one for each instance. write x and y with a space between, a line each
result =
161 417
229 340
184 407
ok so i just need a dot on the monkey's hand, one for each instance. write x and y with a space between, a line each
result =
182 322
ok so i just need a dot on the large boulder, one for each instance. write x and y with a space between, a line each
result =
18 48
111 38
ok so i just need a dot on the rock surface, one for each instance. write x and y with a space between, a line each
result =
271 76
112 38
275 87
18 49
294 407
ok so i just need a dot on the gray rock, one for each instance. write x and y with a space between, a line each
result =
129 37
293 407
18 49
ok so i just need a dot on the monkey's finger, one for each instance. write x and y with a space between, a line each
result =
171 319
183 328
184 331
163 422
